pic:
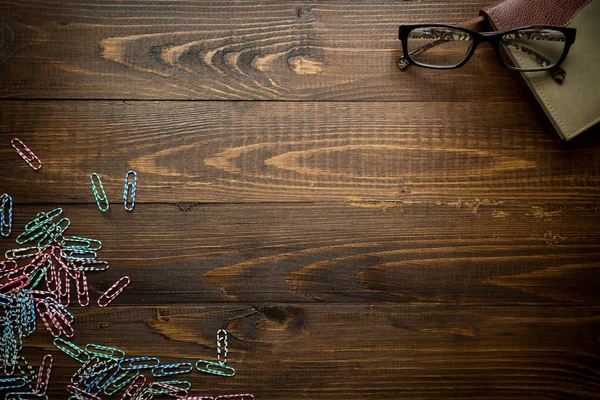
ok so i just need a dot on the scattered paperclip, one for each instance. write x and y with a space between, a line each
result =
44 374
6 215
113 291
99 196
130 186
219 367
26 153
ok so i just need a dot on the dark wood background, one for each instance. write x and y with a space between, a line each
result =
362 233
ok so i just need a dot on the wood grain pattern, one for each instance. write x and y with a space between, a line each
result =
319 351
475 254
273 152
235 50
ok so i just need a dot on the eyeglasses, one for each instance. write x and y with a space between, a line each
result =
533 48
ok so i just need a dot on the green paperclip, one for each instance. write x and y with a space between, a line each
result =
66 347
43 218
120 385
183 385
99 199
80 243
36 280
226 371
109 352
52 234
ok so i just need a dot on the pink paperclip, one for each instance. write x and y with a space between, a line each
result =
241 396
196 398
171 390
29 157
14 285
81 394
114 288
134 388
45 315
83 294
8 265
65 327
44 375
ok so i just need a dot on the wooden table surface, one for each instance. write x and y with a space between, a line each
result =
361 232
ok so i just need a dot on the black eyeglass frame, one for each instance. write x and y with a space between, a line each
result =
493 38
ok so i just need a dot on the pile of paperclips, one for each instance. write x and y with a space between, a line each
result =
107 371
37 281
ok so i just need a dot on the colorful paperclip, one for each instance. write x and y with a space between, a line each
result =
44 374
113 291
129 184
26 153
104 352
100 197
172 369
241 396
71 350
177 389
6 215
133 363
221 369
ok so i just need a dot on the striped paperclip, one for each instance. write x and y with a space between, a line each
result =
100 197
221 369
136 363
26 153
12 383
113 291
44 375
129 184
6 215
104 352
172 369
241 396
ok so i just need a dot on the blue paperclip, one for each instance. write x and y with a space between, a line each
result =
26 396
224 371
12 383
172 369
100 197
6 210
129 363
129 185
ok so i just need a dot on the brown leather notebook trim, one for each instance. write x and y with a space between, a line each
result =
508 14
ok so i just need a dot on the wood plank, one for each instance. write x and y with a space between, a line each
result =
293 151
237 50
359 253
299 351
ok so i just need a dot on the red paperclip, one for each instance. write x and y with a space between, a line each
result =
14 285
45 315
134 385
5 265
114 288
65 327
81 394
29 157
83 294
44 375
196 398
